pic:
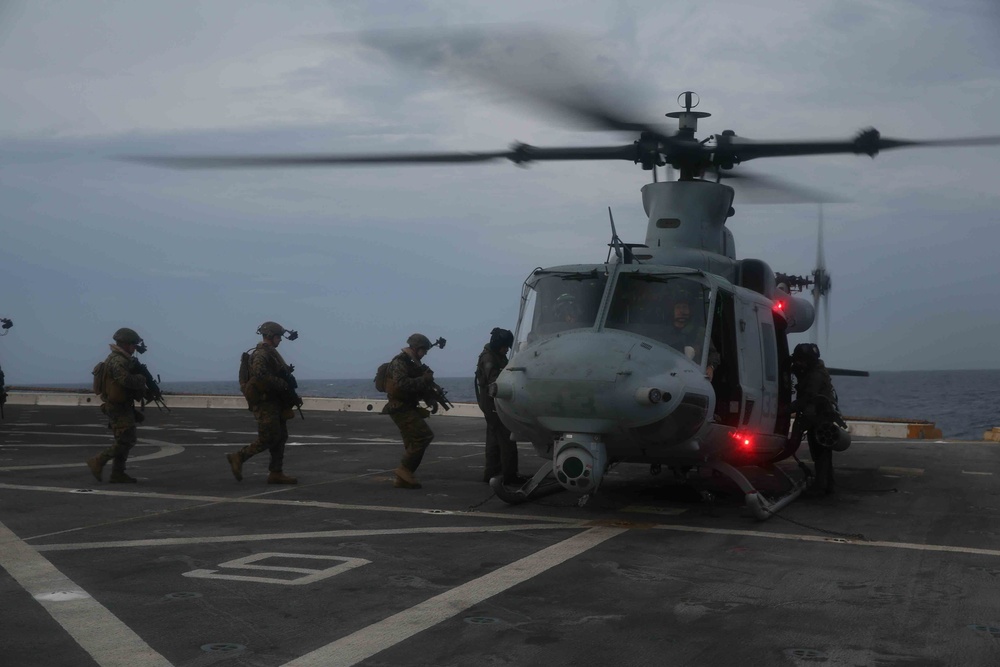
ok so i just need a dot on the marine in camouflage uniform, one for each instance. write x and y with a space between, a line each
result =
271 399
5 324
407 381
815 403
3 389
123 386
501 452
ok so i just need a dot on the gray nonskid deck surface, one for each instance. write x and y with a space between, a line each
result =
190 568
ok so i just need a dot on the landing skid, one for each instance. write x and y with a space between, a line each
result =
538 486
761 507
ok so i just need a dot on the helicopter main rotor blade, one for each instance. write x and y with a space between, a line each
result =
733 150
518 154
537 65
757 189
305 160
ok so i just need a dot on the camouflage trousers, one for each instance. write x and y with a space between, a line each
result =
501 453
822 456
121 421
272 434
417 435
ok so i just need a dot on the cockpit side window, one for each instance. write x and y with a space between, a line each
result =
669 309
561 302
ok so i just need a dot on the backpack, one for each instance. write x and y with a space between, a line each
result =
244 376
381 377
98 373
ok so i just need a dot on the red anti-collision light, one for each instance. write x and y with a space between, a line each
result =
744 440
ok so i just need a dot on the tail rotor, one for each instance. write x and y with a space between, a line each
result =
821 286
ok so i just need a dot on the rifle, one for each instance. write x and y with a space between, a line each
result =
435 396
152 390
293 385
3 394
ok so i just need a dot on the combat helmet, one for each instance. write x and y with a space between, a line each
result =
501 338
804 357
271 329
417 341
127 336
807 353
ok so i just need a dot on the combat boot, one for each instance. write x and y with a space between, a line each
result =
236 464
120 477
401 483
96 465
405 479
280 478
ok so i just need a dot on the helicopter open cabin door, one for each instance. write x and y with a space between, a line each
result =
727 379
770 387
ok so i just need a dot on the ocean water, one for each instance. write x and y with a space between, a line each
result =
962 404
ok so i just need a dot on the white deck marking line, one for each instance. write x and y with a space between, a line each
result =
319 534
375 638
828 540
290 503
62 433
913 472
166 449
100 633
975 472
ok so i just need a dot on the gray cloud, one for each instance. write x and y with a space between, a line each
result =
357 259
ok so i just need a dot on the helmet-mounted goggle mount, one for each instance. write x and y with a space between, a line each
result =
290 334
439 343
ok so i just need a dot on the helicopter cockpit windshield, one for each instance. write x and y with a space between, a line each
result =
671 309
557 301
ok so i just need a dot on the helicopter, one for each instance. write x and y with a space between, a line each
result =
672 352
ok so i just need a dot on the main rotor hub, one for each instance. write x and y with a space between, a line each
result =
687 120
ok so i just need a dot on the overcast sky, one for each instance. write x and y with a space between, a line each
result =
357 259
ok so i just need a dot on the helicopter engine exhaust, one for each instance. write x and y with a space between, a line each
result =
580 460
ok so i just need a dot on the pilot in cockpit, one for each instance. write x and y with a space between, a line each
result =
566 310
686 332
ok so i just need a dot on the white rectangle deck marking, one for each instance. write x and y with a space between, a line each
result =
365 643
312 575
109 642
975 472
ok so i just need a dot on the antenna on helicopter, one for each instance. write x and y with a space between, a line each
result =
615 244
622 250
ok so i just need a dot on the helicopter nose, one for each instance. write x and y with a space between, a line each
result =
599 382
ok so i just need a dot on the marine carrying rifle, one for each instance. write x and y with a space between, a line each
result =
152 390
293 385
435 396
